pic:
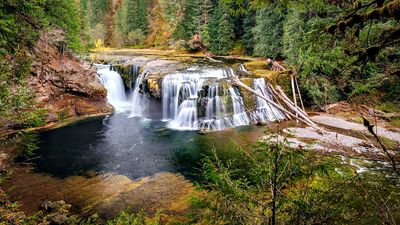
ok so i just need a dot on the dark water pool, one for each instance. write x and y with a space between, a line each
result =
134 147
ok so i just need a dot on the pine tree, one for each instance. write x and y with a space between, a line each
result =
205 10
268 32
97 10
84 19
249 22
64 14
134 16
187 26
221 31
141 13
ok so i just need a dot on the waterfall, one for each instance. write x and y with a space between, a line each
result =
114 85
216 113
196 98
240 116
265 112
133 75
201 99
140 101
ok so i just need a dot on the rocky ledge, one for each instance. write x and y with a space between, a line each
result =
61 82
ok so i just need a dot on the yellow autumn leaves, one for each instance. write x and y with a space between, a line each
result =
98 49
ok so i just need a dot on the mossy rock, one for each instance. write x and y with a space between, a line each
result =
124 71
154 88
256 65
269 74
249 99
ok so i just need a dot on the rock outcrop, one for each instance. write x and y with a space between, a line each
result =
62 84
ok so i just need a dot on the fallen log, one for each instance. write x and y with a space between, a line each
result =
291 105
213 60
294 93
243 69
276 66
281 95
301 117
298 91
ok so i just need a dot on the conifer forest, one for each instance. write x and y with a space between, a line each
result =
133 112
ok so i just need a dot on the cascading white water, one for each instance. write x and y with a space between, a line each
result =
197 98
216 113
240 116
201 99
265 112
140 101
114 85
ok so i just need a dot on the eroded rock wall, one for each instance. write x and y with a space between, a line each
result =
61 82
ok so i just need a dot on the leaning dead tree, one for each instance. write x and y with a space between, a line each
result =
285 104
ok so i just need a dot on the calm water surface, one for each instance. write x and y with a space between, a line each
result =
135 147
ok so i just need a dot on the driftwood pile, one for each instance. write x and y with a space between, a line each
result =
283 103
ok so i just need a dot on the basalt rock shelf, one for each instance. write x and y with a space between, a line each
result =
200 97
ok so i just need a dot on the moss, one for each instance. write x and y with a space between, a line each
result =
389 143
62 114
389 107
256 65
260 69
249 100
395 122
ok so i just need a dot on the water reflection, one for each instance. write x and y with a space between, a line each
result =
135 147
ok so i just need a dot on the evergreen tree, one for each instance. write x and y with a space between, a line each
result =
205 10
187 26
97 10
221 31
133 17
16 29
249 22
64 13
84 19
268 32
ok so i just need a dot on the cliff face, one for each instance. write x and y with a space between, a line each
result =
62 83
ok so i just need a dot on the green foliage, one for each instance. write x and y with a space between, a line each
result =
309 50
28 143
268 33
16 99
134 16
96 9
20 23
140 218
33 118
390 107
64 14
187 25
248 41
221 31
309 190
